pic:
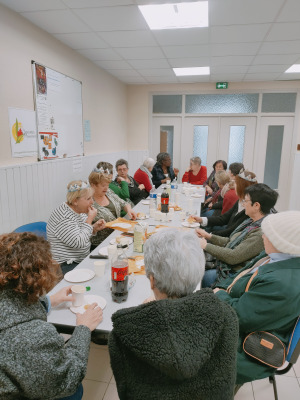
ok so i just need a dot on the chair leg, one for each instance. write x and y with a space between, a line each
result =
273 381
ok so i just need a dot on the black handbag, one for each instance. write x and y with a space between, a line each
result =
266 348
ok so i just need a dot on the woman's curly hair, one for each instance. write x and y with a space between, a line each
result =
27 266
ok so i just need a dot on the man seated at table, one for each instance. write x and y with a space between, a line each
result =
180 344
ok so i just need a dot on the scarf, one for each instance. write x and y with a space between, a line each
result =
144 169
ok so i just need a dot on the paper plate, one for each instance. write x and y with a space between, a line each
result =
103 251
141 218
188 225
89 299
198 196
129 240
122 225
146 202
79 275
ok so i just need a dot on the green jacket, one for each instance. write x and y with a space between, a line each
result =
271 304
179 349
235 258
121 191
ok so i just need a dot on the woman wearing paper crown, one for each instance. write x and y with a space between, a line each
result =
265 293
71 226
106 202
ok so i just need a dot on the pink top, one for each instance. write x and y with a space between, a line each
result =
142 178
198 179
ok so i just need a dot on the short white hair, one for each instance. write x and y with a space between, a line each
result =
149 163
175 260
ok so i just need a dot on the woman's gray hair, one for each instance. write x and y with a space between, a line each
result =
175 260
161 157
149 163
196 160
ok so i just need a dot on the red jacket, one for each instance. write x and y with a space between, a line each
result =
229 200
142 178
198 179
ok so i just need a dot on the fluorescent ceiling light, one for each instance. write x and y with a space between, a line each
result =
176 16
191 71
293 68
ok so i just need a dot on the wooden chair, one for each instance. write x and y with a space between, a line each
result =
293 352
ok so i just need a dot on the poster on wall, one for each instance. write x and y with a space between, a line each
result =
22 129
58 103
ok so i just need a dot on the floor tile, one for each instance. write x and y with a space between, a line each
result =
297 368
99 365
291 372
112 379
111 392
287 388
263 389
245 392
93 390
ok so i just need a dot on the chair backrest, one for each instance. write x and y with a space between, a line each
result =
293 350
38 228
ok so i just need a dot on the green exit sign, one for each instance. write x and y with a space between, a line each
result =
222 85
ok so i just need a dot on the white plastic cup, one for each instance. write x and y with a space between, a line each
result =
152 212
78 292
112 252
99 267
157 215
168 181
177 198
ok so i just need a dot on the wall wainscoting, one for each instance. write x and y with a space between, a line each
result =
30 192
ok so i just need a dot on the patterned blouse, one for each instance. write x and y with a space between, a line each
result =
106 214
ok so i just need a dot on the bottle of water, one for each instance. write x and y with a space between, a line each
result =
174 187
153 198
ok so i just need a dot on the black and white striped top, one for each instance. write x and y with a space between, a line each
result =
68 235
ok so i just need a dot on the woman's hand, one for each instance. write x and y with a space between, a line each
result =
165 180
131 214
208 189
92 212
120 179
202 233
197 219
176 170
91 318
210 205
203 243
61 296
99 225
141 186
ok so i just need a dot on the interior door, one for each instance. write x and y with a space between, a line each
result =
166 137
273 156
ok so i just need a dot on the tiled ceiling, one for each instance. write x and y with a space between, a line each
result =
247 40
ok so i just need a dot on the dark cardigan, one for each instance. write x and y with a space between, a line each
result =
183 349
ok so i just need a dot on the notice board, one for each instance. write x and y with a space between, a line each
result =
58 105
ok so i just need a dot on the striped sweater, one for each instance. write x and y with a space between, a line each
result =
68 235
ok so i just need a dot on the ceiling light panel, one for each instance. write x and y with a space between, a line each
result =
193 71
294 68
176 16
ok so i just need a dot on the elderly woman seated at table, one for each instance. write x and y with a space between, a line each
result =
70 226
162 170
35 362
265 294
143 174
181 345
196 173
245 242
210 183
107 204
136 192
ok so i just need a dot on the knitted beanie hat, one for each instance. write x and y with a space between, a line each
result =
283 231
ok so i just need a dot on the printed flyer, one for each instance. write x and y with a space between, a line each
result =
23 133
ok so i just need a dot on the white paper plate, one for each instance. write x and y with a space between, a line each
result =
198 196
79 275
103 251
188 225
129 240
146 202
89 299
122 225
141 218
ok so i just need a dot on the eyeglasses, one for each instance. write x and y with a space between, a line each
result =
245 201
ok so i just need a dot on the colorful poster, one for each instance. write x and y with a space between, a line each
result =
48 144
22 130
41 79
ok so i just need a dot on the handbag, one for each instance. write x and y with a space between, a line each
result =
266 348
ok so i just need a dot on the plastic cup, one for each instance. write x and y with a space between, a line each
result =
157 215
78 292
152 212
112 252
99 267
177 198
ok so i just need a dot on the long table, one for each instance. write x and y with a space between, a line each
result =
65 320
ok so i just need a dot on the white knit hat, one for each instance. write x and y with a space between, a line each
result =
283 231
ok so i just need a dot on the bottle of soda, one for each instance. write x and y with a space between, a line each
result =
119 276
153 198
165 201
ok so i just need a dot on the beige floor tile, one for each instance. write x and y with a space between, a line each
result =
99 365
93 390
112 379
245 392
263 389
111 392
297 368
288 388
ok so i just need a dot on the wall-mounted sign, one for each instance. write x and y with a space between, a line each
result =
222 85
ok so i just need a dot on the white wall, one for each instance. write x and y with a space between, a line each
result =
104 97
